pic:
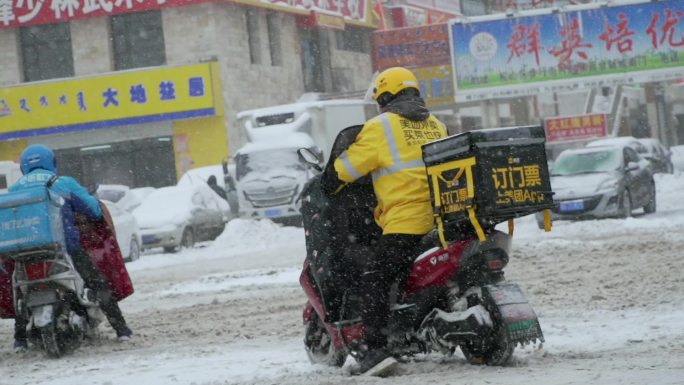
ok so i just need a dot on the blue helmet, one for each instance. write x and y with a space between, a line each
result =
37 156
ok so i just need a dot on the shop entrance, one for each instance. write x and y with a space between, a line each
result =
134 163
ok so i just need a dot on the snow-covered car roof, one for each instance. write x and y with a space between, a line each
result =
201 174
651 144
298 107
292 140
622 141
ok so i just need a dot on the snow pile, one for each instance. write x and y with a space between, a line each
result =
244 242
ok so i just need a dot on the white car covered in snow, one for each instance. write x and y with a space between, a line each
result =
127 231
178 216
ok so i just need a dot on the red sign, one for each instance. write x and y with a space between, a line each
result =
20 13
411 47
576 127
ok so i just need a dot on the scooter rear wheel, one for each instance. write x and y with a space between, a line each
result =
318 344
495 350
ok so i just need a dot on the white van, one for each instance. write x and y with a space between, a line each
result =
9 173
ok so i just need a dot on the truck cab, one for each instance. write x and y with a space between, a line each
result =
9 173
269 176
268 173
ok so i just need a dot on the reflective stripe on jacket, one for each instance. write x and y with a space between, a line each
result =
389 148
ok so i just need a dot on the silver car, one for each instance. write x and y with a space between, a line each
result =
600 182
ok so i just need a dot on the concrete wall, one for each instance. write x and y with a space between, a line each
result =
351 71
10 70
220 33
91 46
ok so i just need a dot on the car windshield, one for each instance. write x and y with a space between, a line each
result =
586 162
111 195
266 160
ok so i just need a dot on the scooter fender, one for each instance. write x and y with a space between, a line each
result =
42 315
514 311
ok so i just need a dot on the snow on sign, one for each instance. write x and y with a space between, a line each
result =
20 13
584 46
568 128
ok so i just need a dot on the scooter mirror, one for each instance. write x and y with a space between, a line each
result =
309 157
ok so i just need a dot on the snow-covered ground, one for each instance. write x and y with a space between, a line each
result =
609 294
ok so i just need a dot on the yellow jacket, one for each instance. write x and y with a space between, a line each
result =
388 147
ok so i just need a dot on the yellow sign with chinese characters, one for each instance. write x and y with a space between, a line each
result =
518 183
114 99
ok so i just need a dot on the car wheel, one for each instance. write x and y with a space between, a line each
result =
135 250
626 206
188 238
651 205
169 249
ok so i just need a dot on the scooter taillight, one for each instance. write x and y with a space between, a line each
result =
37 270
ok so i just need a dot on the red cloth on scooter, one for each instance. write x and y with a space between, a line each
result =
98 239
6 300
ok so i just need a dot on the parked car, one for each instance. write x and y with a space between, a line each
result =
600 181
658 154
202 174
122 195
178 216
622 141
127 231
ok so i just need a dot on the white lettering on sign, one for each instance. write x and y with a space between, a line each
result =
68 6
6 12
19 223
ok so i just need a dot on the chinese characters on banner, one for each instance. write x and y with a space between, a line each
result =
18 13
106 101
551 52
575 127
425 50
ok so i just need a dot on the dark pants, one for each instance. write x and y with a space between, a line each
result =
92 278
393 258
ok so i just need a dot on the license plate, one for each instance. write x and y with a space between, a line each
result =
571 206
148 239
272 213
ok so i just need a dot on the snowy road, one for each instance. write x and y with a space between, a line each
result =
609 294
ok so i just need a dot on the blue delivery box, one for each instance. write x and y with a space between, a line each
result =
30 219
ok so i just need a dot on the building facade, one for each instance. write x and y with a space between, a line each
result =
137 92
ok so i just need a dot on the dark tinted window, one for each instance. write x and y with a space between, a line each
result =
354 39
138 40
46 51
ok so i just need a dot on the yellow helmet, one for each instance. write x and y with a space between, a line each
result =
393 80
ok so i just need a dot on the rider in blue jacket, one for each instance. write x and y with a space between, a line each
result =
39 167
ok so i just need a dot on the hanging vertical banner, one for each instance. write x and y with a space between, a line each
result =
585 47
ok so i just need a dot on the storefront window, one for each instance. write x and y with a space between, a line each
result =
354 39
138 40
46 52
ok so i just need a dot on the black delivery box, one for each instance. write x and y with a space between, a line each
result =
492 174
